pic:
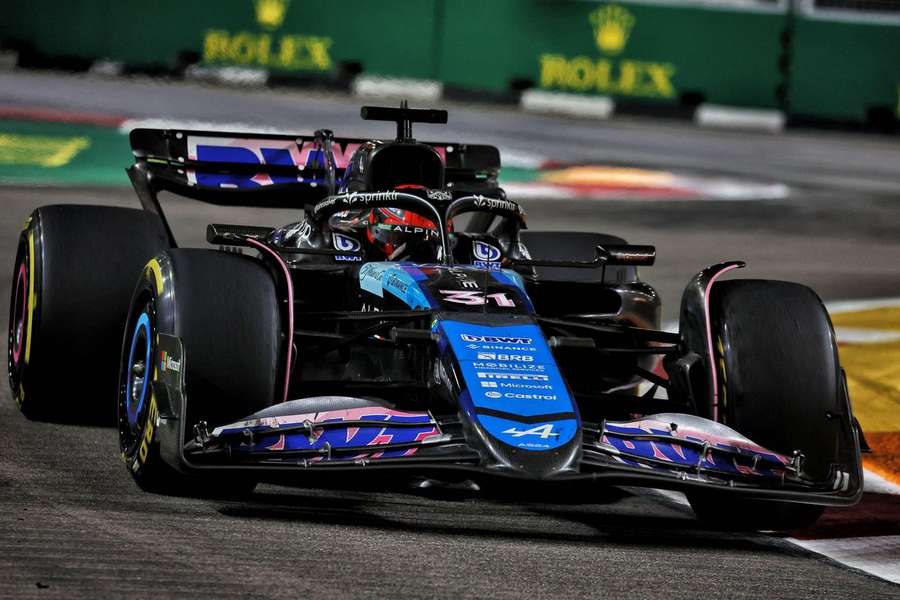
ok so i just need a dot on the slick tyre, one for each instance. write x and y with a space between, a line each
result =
780 384
72 280
224 309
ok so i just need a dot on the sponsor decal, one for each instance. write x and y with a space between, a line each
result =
494 339
428 232
521 386
486 252
612 25
513 376
504 357
476 298
490 266
494 366
542 431
520 396
167 363
348 244
496 204
439 195
267 48
345 243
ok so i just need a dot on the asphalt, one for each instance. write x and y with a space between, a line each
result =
73 525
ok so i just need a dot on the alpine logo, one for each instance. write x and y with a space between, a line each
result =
544 431
492 339
486 252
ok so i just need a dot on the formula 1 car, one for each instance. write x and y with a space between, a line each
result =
411 323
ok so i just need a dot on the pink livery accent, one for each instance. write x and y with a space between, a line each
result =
290 308
709 340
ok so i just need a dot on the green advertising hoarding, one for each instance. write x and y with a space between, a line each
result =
844 69
390 37
633 50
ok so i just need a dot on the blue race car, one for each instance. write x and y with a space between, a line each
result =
411 324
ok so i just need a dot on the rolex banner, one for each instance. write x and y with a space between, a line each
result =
640 51
302 37
668 53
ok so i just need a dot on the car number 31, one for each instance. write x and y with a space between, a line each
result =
477 298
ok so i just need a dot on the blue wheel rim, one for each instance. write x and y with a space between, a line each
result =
141 330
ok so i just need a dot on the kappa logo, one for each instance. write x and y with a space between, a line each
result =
486 252
345 243
544 431
270 13
612 27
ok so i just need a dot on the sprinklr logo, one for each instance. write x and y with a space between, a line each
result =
612 26
270 13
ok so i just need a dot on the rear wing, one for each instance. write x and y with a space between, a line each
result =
267 170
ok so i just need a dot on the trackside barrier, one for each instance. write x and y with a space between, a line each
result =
316 37
846 66
757 54
663 53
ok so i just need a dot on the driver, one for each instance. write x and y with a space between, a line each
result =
391 233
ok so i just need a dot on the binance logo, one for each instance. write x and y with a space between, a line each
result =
612 26
270 13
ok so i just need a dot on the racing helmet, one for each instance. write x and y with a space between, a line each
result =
402 234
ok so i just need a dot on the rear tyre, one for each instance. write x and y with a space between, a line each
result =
224 309
72 280
780 385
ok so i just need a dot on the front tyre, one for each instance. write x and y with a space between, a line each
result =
780 385
224 309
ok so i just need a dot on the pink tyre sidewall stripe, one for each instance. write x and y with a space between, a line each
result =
19 319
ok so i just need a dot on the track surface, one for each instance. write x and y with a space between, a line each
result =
73 525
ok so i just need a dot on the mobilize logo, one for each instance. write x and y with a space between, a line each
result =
495 366
544 431
494 339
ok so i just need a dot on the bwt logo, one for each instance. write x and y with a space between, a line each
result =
495 339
